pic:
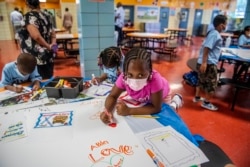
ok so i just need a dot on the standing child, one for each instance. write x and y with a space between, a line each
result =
110 61
143 84
207 63
23 70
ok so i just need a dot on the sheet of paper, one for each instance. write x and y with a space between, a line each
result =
12 127
172 148
87 142
101 90
6 94
138 124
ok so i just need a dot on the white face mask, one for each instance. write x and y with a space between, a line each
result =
136 84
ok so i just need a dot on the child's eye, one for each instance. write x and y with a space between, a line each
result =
129 75
140 75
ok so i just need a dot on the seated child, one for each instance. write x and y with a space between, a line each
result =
20 71
143 84
110 61
244 39
129 24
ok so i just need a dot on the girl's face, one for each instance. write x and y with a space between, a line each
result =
247 33
137 69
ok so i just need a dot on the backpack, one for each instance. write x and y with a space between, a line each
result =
191 78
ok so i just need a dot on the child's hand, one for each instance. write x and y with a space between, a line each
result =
36 86
18 88
122 108
106 117
96 80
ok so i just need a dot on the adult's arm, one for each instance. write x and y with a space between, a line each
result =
35 34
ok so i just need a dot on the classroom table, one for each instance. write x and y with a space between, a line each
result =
126 30
65 38
145 38
176 33
240 58
59 30
84 140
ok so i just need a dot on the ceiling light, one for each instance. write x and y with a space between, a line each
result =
42 0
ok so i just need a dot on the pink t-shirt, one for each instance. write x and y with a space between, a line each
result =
154 85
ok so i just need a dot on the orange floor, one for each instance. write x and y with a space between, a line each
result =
230 130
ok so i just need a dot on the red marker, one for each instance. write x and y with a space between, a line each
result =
111 122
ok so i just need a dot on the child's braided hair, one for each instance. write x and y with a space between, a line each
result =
110 57
139 54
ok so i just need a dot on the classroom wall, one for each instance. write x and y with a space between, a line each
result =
197 4
6 29
175 7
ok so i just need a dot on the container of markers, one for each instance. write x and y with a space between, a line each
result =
64 87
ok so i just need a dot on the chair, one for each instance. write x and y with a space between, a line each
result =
73 51
167 49
191 63
237 85
217 157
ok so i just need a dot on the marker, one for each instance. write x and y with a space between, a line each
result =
93 77
111 122
39 92
155 159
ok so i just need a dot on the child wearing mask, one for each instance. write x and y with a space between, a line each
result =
110 61
143 84
21 71
207 63
244 40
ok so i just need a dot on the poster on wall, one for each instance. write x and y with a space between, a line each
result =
147 13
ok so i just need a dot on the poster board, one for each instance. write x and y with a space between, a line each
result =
87 142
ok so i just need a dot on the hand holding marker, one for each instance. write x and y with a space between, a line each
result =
94 79
111 122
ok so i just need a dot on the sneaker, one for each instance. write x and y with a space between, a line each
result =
198 99
209 106
178 100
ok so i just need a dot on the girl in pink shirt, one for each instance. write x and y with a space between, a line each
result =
142 84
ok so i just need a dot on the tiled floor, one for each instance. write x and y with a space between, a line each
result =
230 130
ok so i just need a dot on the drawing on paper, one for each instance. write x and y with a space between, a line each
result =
54 119
102 155
9 98
12 132
161 139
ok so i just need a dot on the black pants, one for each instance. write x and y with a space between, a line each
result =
46 70
120 34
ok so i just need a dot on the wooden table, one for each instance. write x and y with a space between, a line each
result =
176 33
59 30
144 38
65 38
126 30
